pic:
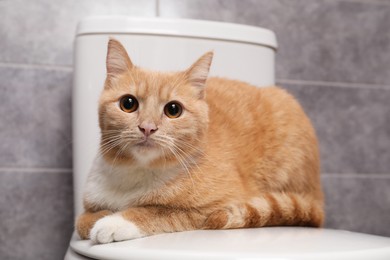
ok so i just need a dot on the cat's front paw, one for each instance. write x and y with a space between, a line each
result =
114 228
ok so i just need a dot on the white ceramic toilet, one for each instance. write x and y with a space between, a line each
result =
240 52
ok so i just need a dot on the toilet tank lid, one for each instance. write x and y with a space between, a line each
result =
177 27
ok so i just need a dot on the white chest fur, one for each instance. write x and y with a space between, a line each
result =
117 187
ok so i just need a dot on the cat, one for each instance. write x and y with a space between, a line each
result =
180 151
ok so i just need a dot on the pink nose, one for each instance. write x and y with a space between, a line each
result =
147 128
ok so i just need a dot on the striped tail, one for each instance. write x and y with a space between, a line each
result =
271 209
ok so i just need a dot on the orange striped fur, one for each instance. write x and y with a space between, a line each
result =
237 157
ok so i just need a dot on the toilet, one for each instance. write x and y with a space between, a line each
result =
240 52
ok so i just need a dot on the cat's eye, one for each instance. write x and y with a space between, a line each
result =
128 103
173 109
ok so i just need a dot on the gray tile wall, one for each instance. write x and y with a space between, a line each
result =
334 56
36 196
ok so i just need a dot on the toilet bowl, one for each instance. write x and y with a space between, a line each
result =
240 52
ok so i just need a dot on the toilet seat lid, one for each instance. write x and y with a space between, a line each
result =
256 243
200 29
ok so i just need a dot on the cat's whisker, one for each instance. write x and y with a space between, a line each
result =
189 158
167 143
171 141
122 135
111 130
186 155
190 146
185 143
118 142
185 159
106 149
183 164
114 141
118 132
108 141
164 156
118 153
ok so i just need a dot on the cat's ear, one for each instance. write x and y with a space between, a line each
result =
198 72
118 60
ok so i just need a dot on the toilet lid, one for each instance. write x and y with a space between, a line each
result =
259 243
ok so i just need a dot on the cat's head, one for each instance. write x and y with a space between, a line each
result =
151 118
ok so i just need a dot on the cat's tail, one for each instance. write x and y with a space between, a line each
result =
271 209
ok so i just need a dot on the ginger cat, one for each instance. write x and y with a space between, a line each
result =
182 152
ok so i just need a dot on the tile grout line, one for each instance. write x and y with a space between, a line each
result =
357 175
333 84
326 175
369 2
278 81
35 66
41 170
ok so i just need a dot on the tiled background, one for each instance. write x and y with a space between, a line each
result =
334 56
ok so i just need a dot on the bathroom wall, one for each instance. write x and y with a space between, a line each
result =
334 56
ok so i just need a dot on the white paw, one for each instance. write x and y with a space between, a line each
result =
114 228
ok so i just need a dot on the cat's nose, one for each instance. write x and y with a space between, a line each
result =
147 128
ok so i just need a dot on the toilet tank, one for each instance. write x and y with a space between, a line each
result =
241 52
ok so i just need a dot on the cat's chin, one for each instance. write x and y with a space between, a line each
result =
146 152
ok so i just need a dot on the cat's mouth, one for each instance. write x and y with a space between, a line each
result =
146 143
